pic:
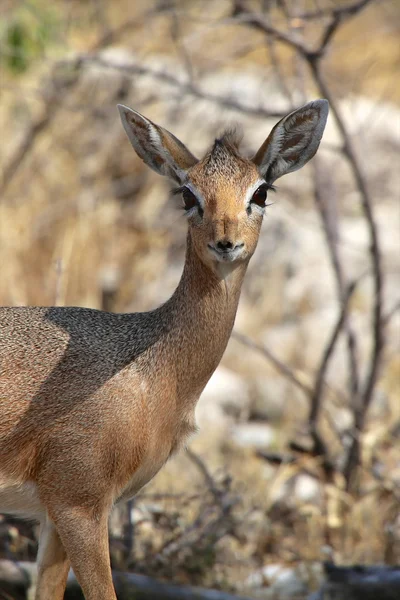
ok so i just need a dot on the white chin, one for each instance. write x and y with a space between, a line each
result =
226 257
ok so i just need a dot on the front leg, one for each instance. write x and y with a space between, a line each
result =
84 535
53 563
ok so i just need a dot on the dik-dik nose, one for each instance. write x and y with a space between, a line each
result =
225 245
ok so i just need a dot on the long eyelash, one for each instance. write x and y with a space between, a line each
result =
178 190
271 187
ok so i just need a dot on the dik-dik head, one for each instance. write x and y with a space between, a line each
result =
224 194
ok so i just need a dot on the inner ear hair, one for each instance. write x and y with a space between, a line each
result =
293 141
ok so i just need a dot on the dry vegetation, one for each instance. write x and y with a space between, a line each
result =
83 222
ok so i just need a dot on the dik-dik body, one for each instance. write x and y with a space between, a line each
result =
92 403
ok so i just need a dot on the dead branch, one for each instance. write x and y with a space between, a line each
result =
337 17
316 397
313 56
330 228
362 401
184 88
20 578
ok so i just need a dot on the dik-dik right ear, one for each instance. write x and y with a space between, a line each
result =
156 146
293 141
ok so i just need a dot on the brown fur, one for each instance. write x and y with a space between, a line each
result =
92 404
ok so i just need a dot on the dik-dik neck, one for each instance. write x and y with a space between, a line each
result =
202 313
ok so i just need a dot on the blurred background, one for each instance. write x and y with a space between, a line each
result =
298 456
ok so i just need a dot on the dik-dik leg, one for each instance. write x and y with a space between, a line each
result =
53 564
85 538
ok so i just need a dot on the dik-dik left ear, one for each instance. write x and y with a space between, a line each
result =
293 141
156 146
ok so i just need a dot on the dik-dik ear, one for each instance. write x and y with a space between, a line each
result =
156 146
293 141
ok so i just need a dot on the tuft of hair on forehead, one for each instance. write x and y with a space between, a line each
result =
224 156
230 138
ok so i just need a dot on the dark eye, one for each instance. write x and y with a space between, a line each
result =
260 195
189 199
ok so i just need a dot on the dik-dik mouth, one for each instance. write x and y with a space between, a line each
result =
226 255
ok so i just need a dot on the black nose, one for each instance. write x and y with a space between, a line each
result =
224 245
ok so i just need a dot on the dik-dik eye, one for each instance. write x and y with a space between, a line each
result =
189 199
260 195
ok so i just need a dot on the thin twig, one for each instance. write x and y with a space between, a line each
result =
347 10
200 464
260 23
321 373
278 364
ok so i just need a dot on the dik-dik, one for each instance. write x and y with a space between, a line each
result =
92 404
